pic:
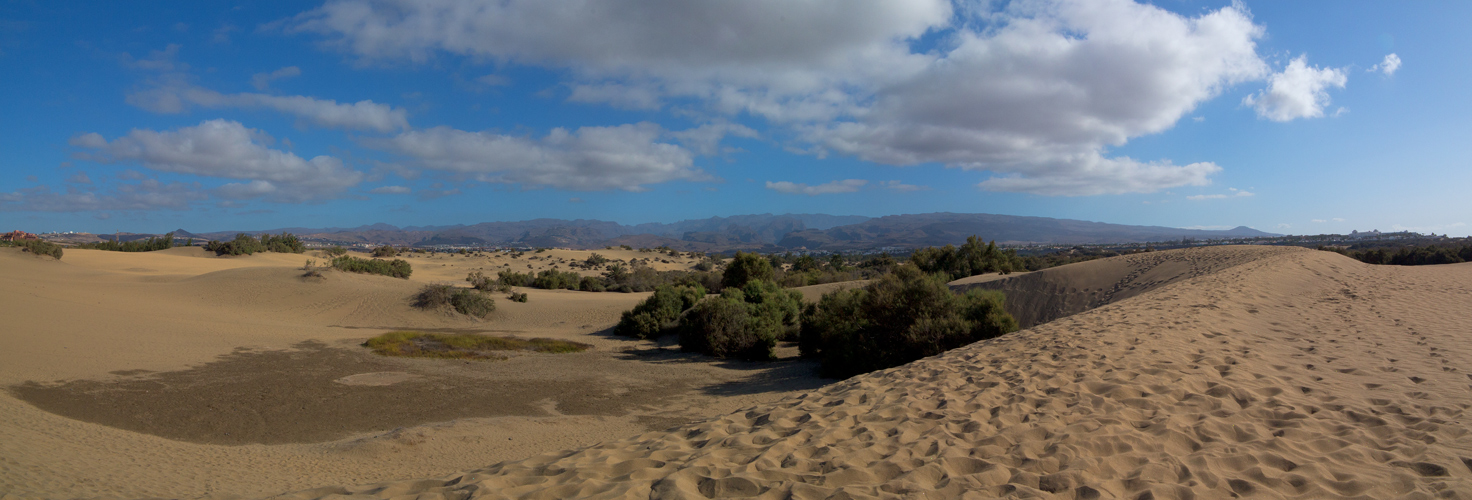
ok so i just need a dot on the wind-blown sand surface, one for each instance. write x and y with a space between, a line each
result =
1201 373
1264 372
178 374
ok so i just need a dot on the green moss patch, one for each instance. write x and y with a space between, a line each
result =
463 346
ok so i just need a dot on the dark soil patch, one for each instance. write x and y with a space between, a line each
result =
295 396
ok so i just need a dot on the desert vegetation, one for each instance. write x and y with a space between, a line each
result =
1412 255
743 322
467 301
245 244
903 316
146 245
462 346
397 268
659 314
38 247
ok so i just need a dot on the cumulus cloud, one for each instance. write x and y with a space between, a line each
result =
262 81
229 150
174 96
1387 66
843 186
706 139
1035 92
1299 91
390 190
626 157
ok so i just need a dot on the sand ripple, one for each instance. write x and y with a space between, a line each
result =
1279 373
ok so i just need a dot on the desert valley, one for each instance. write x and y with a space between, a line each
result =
1194 373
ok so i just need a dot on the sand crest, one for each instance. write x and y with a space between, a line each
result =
1262 372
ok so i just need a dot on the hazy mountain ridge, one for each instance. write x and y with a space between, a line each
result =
758 232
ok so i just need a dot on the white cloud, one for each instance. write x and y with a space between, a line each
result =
262 81
1234 193
1387 66
1318 221
902 187
1035 92
843 186
149 194
1093 174
176 97
1337 219
706 139
1297 92
227 149
1285 225
390 190
626 157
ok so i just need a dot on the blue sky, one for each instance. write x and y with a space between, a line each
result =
1291 117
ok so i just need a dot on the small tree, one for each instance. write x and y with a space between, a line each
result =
747 267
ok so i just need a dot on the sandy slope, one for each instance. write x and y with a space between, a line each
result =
187 329
1270 373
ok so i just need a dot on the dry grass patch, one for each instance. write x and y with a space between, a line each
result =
463 346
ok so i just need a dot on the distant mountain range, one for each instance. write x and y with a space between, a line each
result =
766 232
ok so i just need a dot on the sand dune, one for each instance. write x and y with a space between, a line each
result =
179 374
1240 371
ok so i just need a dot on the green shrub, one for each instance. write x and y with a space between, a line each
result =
901 317
38 247
971 259
517 297
480 281
396 268
151 244
508 277
596 260
282 243
658 314
591 284
465 301
243 244
742 323
389 251
336 251
746 267
552 279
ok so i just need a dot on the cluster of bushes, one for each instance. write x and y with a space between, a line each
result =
336 251
659 314
901 317
38 247
148 245
616 278
396 268
971 259
245 244
388 251
743 322
1411 256
466 301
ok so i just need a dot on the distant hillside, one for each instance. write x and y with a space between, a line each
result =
763 232
938 229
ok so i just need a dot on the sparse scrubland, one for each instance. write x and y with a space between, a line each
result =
38 247
462 346
901 317
397 268
245 244
467 301
1453 253
906 314
164 242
